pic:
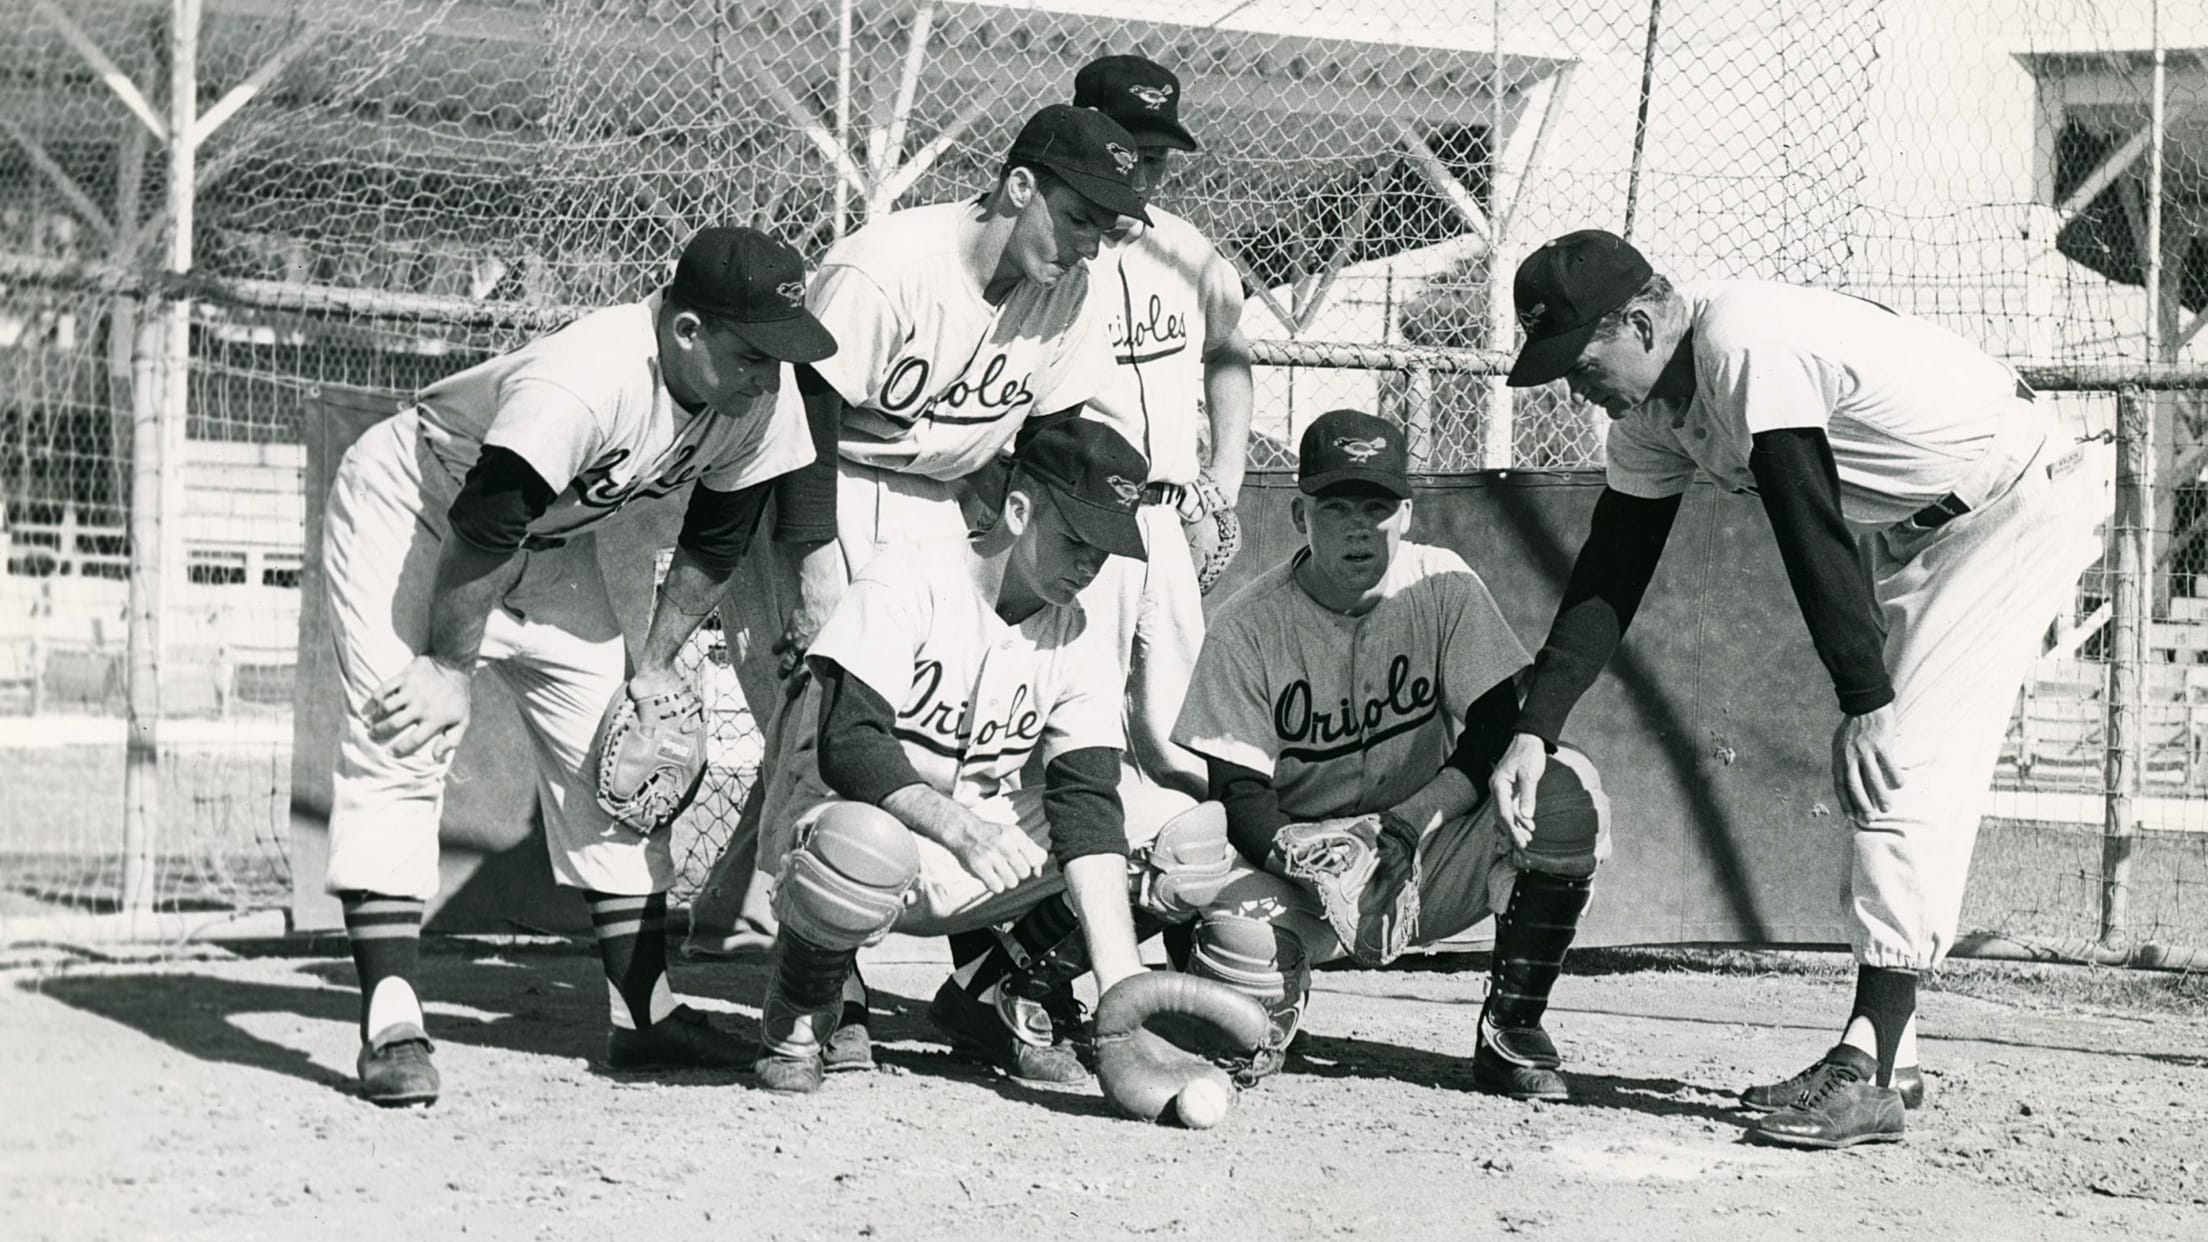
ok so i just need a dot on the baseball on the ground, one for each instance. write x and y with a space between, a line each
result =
1202 1103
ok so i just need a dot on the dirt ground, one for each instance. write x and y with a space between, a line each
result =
212 1099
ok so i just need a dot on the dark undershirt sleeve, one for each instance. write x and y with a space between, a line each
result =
1081 803
717 526
1625 540
1253 808
1800 489
1488 725
860 756
805 498
500 497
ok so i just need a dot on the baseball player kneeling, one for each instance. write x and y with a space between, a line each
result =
460 534
949 674
1350 705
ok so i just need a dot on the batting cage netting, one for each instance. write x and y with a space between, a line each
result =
223 220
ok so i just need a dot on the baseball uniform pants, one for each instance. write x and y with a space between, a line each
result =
1966 606
554 640
950 899
1156 615
1467 869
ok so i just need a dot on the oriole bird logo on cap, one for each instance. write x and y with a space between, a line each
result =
1361 450
1152 97
1127 490
793 290
1122 158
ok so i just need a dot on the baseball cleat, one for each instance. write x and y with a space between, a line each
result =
788 1074
745 940
395 1069
1767 1097
681 1040
850 1048
1520 1062
1070 1026
1013 1035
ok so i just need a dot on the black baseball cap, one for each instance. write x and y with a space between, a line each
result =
1351 447
1089 150
755 285
1096 477
1563 290
1142 95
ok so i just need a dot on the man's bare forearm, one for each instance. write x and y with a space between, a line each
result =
933 816
1096 887
470 582
1229 395
689 592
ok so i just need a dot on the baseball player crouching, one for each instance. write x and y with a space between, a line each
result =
460 536
1350 704
952 673
1854 425
957 322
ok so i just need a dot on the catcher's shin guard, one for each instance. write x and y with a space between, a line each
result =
1265 963
1531 939
804 998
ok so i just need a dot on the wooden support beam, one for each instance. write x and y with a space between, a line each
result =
1445 183
62 181
237 97
117 81
2118 162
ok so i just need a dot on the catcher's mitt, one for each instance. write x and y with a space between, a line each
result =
651 756
1366 871
1158 1032
1214 532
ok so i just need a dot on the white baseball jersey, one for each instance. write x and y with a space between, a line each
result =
975 698
585 407
1166 295
1908 406
938 378
1348 715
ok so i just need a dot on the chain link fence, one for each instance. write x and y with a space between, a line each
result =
382 192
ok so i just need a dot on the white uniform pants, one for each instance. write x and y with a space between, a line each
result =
951 899
1156 614
1966 606
874 507
554 640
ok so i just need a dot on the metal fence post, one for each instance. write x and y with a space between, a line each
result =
1418 417
2129 600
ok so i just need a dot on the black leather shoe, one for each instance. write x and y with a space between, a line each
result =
1790 1093
1013 1035
681 1040
1520 1062
850 1048
1846 1108
395 1070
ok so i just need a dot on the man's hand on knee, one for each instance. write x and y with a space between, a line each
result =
1512 786
999 855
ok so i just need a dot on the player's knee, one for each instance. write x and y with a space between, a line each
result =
1262 961
844 887
1188 862
1253 957
1571 818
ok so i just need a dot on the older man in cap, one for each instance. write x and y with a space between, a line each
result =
1932 520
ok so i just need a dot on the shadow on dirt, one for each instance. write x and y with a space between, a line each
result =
546 1004
1339 1056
